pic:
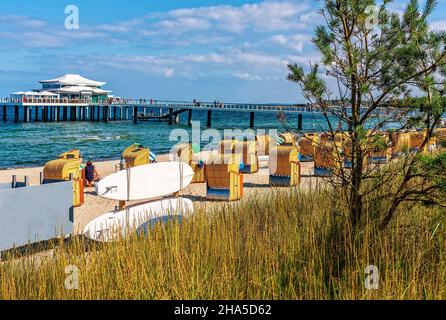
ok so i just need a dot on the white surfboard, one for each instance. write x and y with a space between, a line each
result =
113 226
149 181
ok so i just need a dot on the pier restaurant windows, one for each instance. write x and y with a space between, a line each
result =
51 86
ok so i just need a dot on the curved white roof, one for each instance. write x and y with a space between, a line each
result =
47 93
34 93
78 89
74 80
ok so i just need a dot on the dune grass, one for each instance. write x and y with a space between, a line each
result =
280 245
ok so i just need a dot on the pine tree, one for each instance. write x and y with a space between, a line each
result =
380 61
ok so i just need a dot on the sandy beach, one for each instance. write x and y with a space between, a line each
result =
95 206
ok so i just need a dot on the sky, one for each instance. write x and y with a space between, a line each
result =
226 50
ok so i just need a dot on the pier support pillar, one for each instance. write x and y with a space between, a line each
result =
299 121
5 118
98 113
16 113
44 114
92 113
115 116
64 113
251 120
25 113
57 114
189 117
135 115
36 113
170 116
105 113
209 122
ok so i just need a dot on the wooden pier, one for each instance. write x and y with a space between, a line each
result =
56 110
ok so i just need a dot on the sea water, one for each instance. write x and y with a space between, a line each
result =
35 143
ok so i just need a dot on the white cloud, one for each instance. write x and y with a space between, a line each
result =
206 25
439 25
182 25
22 21
267 15
246 76
295 42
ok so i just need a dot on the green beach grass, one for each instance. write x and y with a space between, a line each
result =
284 245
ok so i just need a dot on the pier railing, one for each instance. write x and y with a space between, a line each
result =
152 103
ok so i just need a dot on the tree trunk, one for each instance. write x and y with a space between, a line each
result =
390 213
356 199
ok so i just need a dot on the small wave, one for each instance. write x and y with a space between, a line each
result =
89 139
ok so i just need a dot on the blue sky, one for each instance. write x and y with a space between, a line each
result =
214 49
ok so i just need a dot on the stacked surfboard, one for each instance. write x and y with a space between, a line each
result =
146 182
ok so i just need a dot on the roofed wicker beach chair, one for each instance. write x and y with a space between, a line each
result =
223 178
263 144
327 161
379 151
405 142
248 152
306 146
136 155
185 153
284 166
440 134
288 138
417 138
66 167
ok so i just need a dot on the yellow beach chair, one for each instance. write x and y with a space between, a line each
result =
288 138
248 153
417 139
440 134
378 151
136 155
284 166
67 166
326 160
185 153
400 143
306 147
223 178
263 145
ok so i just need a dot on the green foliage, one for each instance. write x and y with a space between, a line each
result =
433 168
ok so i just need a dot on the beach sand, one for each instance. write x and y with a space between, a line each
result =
95 206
